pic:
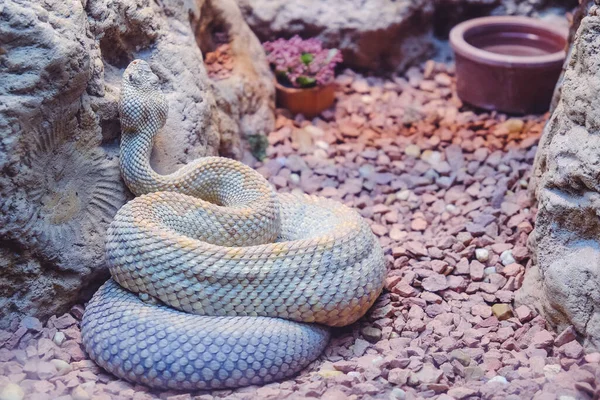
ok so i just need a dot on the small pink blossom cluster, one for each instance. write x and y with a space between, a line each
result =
302 63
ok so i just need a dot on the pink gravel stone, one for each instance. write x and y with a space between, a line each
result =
435 283
543 339
572 349
476 270
523 313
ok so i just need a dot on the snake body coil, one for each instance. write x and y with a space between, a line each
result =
217 281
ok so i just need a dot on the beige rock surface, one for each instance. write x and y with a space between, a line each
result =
61 66
563 284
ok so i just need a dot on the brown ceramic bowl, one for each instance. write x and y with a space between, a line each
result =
509 64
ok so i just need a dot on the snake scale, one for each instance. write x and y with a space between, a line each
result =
218 281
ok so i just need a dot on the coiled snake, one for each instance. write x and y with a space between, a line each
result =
217 281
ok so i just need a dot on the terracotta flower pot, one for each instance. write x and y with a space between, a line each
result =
309 102
509 64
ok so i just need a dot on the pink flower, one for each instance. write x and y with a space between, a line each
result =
302 63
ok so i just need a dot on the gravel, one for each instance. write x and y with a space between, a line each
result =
444 189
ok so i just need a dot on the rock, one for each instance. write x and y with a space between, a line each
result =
79 393
412 150
398 394
461 392
499 379
507 258
59 338
523 313
482 255
360 346
62 367
59 125
474 373
46 370
562 284
543 339
502 311
512 269
565 336
398 376
592 358
31 323
372 334
482 310
427 374
572 349
404 289
12 391
64 321
461 356
357 34
435 283
418 224
476 270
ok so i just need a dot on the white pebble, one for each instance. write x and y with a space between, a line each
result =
412 150
62 367
366 170
451 208
314 130
79 393
432 157
499 378
377 361
320 153
507 258
551 370
12 391
403 195
59 338
294 178
322 145
398 394
482 255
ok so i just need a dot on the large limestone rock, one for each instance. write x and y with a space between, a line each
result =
580 12
376 34
61 63
565 280
381 35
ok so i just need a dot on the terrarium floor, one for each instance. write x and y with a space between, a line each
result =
445 188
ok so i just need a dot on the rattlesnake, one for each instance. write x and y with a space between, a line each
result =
217 281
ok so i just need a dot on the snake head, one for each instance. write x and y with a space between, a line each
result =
142 104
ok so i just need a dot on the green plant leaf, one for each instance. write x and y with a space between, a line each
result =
307 58
306 81
258 146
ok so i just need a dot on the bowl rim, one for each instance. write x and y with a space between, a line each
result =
463 48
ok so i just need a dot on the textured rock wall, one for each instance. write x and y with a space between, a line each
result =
579 13
563 284
362 30
60 69
380 35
